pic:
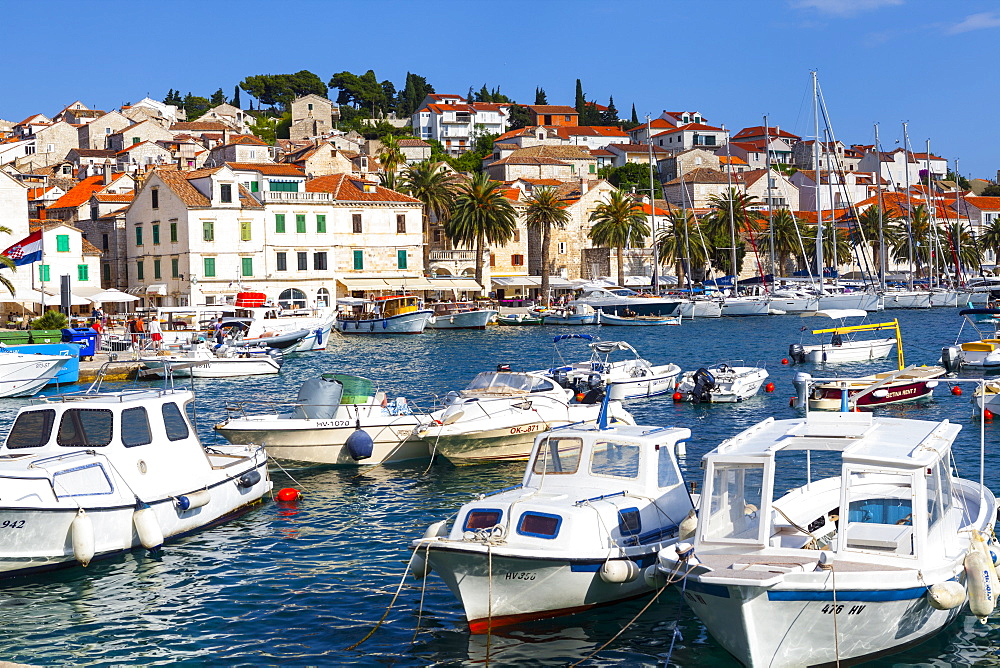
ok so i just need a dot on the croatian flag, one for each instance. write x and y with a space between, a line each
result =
27 250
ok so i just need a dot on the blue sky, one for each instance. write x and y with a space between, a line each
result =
929 63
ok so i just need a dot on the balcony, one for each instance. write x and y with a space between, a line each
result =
464 119
271 196
453 256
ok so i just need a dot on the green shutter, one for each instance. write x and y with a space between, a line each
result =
173 231
62 243
209 267
279 223
43 273
401 259
245 230
82 272
359 260
156 234
175 267
300 223
140 274
208 231
156 269
254 186
321 223
138 236
247 266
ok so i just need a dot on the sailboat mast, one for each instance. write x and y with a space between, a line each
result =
687 238
931 219
877 177
909 216
819 206
770 199
652 209
732 216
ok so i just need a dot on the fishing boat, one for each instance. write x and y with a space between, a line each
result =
497 416
216 361
574 314
94 474
595 506
336 419
613 320
397 314
629 378
519 319
838 344
459 315
982 353
24 374
615 299
722 383
872 560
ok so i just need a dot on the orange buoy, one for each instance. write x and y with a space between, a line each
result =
678 396
956 390
784 360
769 387
791 402
988 415
580 396
289 494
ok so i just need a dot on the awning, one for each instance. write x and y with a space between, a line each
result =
156 289
386 283
48 298
555 282
454 284
137 290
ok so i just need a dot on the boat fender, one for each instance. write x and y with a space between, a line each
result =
619 571
688 525
193 500
946 595
319 336
653 577
453 417
437 529
249 479
82 529
419 567
980 581
359 444
147 526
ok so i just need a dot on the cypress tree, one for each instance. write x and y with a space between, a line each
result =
236 97
635 118
408 103
581 101
540 97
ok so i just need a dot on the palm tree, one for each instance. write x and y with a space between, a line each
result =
730 217
836 246
922 235
866 232
426 182
681 242
955 239
545 211
391 156
788 238
481 215
990 237
618 223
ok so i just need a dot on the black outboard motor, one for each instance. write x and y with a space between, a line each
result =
503 367
704 383
797 353
594 395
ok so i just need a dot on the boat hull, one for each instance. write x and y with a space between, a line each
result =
639 306
642 387
732 308
850 351
575 319
892 300
406 323
24 375
216 368
638 321
826 398
860 300
463 320
700 308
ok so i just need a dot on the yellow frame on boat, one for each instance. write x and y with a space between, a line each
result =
872 327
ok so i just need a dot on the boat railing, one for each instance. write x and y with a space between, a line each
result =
256 408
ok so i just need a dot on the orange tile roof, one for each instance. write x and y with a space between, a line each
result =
758 131
984 203
130 147
114 197
552 109
343 187
80 193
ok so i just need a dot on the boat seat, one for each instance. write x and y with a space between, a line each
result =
993 341
978 347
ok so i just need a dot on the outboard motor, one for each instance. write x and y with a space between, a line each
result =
503 367
593 396
594 380
951 358
319 399
704 383
277 355
797 353
801 383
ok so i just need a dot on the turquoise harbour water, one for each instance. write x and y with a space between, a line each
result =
293 585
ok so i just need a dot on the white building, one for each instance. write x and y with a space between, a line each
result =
455 123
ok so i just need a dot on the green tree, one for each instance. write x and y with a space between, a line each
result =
580 99
195 106
866 232
236 97
540 96
280 89
923 238
610 116
957 240
218 97
681 243
619 222
991 190
591 115
415 89
789 239
282 128
518 117
990 237
174 97
9 264
546 211
388 96
632 175
731 216
836 246
635 118
50 320
963 182
435 189
391 156
481 215
265 127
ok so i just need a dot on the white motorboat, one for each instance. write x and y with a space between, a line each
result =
904 385
336 419
983 353
94 474
459 315
988 396
24 374
892 299
612 320
630 378
744 306
839 344
498 415
398 314
216 361
793 300
722 383
573 314
698 308
594 508
857 299
616 299
870 561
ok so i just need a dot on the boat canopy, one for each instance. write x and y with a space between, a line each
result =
980 311
837 313
563 337
508 382
605 347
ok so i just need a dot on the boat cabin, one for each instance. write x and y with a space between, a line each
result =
506 383
378 307
889 469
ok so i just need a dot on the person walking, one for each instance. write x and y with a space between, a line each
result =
156 333
140 331
130 330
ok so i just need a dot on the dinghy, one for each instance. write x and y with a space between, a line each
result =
638 320
839 344
519 319
983 353
722 383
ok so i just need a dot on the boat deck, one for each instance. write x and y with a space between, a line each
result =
764 566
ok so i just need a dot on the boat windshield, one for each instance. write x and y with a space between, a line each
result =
505 382
736 496
558 456
880 512
357 390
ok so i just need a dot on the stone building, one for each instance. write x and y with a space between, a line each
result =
312 116
96 134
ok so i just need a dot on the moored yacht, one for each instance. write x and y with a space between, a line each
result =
617 300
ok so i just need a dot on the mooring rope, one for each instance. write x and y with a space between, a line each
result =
391 603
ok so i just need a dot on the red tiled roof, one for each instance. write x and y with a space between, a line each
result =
130 147
591 131
413 143
199 126
124 198
758 131
247 140
552 109
80 193
344 187
637 148
984 203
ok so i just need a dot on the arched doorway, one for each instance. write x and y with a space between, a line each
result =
292 298
322 298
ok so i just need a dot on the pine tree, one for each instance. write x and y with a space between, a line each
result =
610 117
581 101
218 97
540 97
484 95
236 98
635 118
472 96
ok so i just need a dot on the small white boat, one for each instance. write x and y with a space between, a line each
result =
459 315
518 319
838 344
877 558
594 508
497 417
398 314
630 378
722 383
94 474
856 299
576 314
215 361
699 307
983 353
614 299
24 374
988 396
744 306
639 320
336 419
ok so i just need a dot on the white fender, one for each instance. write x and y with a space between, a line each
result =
82 529
194 500
437 529
653 577
419 568
619 571
148 528
689 525
979 581
946 595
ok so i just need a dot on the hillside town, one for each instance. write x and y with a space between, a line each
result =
183 212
